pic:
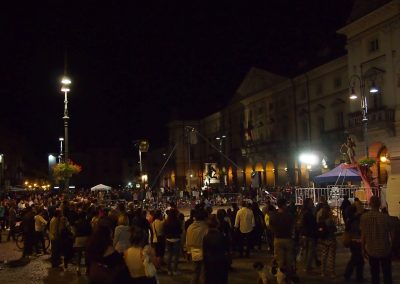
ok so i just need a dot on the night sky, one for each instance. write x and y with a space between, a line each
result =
135 67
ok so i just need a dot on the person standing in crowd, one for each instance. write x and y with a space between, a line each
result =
259 227
173 231
2 217
215 253
55 239
194 243
376 236
122 234
106 265
269 210
134 257
244 224
352 226
359 205
28 229
81 230
66 241
40 228
344 206
12 220
308 232
158 237
326 229
226 231
282 225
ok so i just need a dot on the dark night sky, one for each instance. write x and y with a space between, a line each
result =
135 66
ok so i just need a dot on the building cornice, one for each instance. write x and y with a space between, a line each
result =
382 14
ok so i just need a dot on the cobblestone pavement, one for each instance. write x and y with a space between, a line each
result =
39 270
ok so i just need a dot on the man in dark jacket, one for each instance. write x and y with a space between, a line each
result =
282 225
28 229
308 232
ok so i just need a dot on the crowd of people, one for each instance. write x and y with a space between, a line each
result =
129 243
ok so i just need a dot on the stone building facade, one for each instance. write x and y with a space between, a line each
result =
258 137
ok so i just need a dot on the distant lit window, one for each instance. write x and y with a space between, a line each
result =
373 45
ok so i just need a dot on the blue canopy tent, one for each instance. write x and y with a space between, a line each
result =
338 175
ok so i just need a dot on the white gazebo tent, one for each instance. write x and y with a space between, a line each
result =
101 187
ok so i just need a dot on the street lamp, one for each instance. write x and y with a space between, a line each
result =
65 89
309 159
361 80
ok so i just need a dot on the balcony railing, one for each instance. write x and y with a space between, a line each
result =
378 117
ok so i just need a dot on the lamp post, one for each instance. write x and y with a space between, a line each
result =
361 80
65 89
364 106
60 156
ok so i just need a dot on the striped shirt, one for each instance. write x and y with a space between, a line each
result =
375 229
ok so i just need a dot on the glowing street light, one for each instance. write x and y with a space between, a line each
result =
309 159
65 81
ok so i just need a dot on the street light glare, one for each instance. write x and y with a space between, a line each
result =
61 139
373 89
353 97
66 81
308 158
64 89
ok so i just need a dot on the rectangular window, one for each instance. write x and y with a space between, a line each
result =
319 91
321 125
373 45
303 95
337 82
305 129
340 120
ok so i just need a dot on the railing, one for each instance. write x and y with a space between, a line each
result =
374 116
333 194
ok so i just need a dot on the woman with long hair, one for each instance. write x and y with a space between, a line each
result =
158 236
105 264
140 258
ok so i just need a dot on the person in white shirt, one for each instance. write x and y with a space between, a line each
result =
244 224
40 228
